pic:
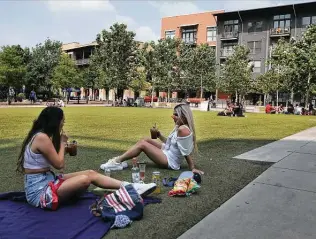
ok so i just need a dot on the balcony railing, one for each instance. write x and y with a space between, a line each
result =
229 35
275 32
226 53
189 41
82 62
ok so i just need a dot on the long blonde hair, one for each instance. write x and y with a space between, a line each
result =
185 114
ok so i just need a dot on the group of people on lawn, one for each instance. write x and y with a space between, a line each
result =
45 146
297 110
232 109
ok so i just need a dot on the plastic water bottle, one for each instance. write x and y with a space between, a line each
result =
135 172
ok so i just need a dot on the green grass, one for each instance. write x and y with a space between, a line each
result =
105 132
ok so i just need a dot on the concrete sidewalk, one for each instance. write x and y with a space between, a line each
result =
280 203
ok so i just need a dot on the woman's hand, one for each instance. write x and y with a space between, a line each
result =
197 171
64 138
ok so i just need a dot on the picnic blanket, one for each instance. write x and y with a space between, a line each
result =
73 221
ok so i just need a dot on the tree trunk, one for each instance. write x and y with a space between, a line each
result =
152 96
277 98
308 89
292 96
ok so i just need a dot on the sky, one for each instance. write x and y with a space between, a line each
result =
31 22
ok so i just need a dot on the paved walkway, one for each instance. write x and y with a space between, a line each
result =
280 203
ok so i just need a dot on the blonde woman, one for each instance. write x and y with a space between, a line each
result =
180 144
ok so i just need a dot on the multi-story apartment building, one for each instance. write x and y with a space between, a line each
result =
81 55
192 28
260 29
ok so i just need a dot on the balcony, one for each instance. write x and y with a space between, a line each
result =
280 32
82 62
225 53
189 41
229 36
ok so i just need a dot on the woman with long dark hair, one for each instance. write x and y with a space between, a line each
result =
44 148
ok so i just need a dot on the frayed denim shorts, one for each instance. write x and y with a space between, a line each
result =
35 185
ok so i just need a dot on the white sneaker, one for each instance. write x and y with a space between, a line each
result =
144 189
113 165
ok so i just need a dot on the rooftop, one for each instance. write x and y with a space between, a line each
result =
265 8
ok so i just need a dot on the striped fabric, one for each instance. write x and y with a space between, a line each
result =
120 200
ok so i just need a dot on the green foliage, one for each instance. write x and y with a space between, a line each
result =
45 57
236 75
13 62
198 66
65 74
140 83
116 56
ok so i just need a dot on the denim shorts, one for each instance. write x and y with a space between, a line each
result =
35 184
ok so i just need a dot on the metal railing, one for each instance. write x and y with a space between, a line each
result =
229 35
82 62
280 31
226 53
189 40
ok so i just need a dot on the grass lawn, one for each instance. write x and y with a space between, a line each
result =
105 132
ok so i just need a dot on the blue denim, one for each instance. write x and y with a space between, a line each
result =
34 184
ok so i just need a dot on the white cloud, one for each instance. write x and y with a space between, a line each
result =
80 5
145 33
173 8
129 21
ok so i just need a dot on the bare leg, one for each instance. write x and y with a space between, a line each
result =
153 153
153 142
76 183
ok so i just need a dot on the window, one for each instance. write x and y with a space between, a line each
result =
231 26
256 66
211 34
255 47
306 21
189 35
254 27
282 21
170 34
228 49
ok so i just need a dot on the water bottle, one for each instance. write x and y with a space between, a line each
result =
135 172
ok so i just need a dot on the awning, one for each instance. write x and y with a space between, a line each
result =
189 25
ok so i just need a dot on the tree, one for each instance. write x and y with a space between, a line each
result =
65 74
236 73
13 62
116 55
45 57
92 76
198 66
140 83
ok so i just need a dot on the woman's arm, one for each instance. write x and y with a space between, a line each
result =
161 137
46 147
190 162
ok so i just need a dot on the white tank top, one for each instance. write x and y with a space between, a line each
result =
176 148
33 160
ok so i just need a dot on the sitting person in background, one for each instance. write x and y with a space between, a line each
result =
298 110
281 109
270 109
311 109
238 110
290 109
229 109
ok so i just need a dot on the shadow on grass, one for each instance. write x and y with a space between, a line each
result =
224 177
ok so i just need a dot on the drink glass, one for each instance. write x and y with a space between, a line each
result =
142 169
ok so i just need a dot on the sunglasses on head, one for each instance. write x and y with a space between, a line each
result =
175 114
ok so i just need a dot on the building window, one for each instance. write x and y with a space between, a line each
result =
231 26
282 21
306 21
256 66
189 35
254 27
255 47
211 34
170 34
228 49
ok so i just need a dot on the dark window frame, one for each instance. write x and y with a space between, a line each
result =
233 24
283 21
256 26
